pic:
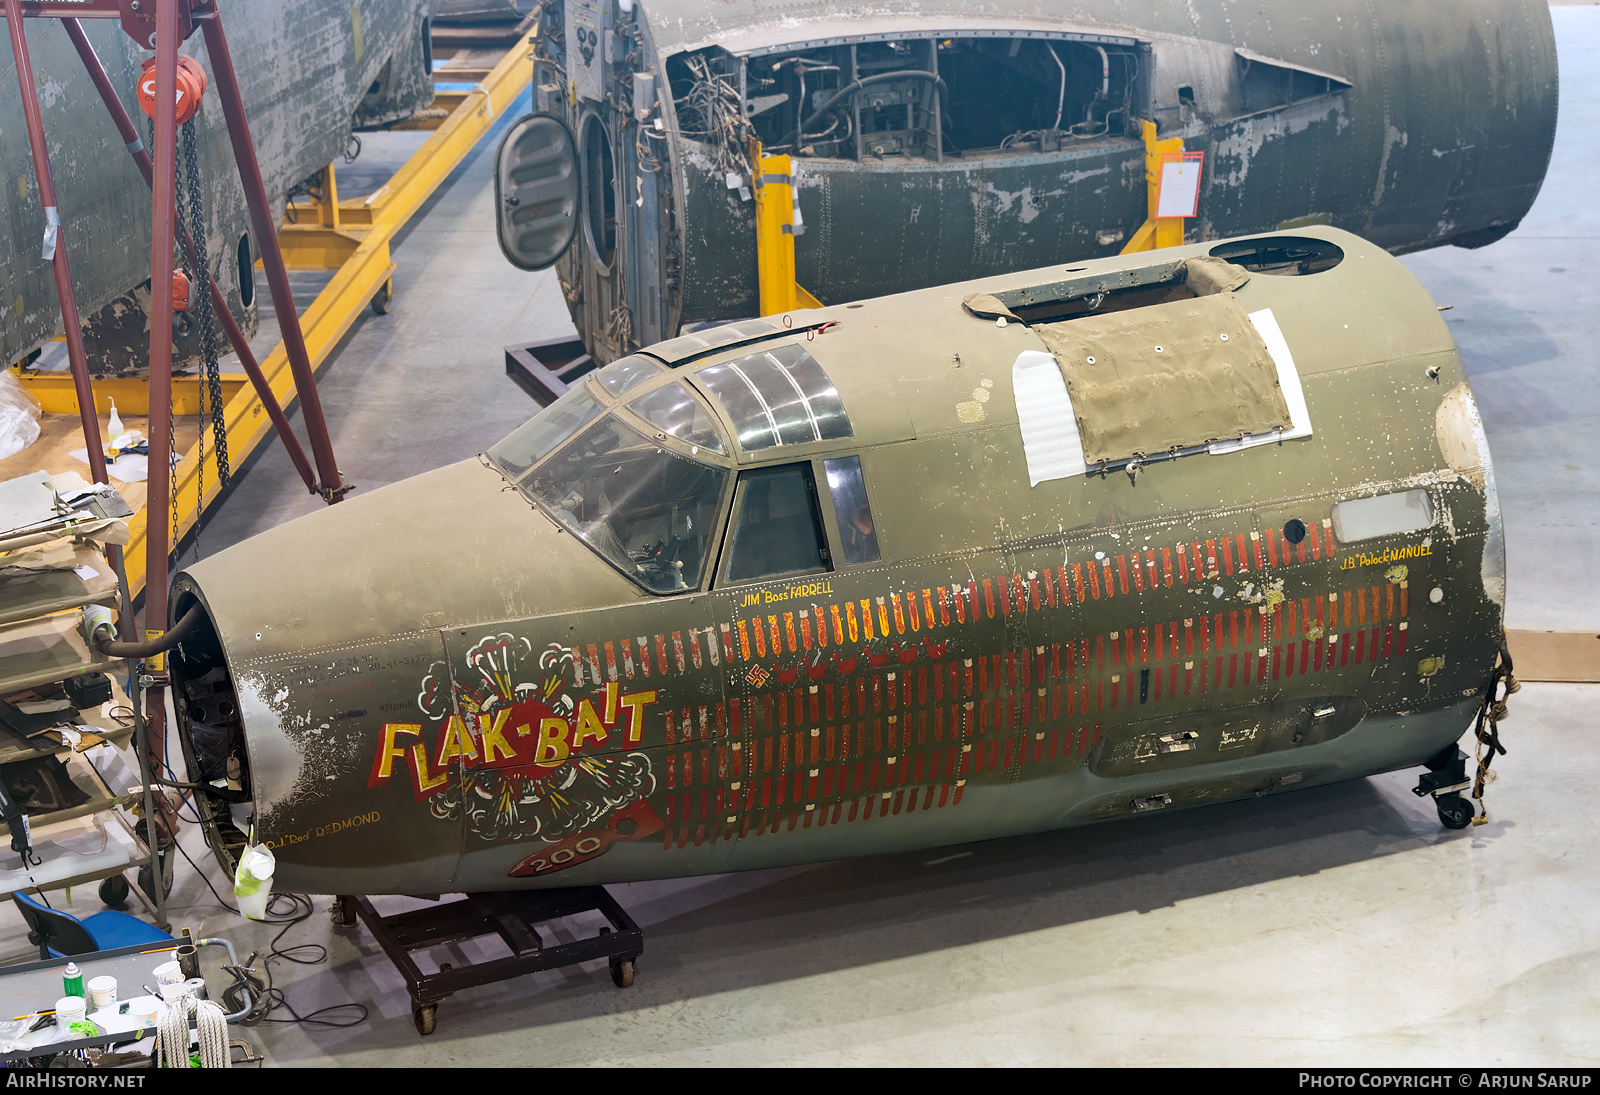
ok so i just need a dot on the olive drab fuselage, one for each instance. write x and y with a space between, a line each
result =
444 686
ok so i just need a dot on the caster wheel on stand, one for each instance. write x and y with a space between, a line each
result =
425 1016
114 892
383 299
1455 812
343 911
622 972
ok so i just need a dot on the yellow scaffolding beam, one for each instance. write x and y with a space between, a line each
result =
351 237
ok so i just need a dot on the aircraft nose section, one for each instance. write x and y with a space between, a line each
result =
407 556
321 633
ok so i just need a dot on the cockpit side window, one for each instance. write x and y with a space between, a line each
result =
858 536
647 510
539 436
777 529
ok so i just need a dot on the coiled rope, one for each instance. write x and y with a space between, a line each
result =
211 1030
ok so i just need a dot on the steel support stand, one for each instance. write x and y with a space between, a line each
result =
219 305
545 370
772 179
224 316
1156 232
152 832
512 916
159 503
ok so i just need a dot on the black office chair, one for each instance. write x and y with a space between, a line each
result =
58 934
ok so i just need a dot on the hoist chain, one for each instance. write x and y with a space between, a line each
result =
207 320
187 206
191 211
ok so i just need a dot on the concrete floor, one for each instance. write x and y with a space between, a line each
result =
1525 317
1335 926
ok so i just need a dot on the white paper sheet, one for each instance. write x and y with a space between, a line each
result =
26 500
1180 189
128 468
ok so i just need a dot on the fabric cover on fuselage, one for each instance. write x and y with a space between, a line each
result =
1166 377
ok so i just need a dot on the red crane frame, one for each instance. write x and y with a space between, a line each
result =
163 25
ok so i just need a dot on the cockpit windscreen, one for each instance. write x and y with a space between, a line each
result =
647 510
531 441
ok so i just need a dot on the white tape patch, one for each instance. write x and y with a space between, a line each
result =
1050 437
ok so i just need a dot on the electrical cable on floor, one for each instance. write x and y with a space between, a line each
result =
268 998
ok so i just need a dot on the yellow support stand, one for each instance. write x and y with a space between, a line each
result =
57 395
773 186
1156 231
327 205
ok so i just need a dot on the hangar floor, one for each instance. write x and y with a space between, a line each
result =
1338 925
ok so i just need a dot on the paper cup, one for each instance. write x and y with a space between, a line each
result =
102 992
174 990
168 972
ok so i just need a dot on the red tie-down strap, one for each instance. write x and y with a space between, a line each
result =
635 821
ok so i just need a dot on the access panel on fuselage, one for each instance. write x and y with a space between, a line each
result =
1200 646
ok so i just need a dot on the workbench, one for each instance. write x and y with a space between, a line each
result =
35 987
